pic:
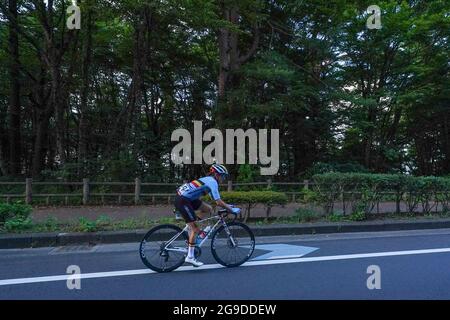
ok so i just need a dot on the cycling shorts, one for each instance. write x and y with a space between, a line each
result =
187 208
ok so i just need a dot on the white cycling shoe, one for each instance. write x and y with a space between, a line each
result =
194 262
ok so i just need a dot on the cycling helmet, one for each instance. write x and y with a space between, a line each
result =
220 169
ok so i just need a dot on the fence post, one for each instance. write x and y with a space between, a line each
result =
137 190
269 183
85 191
230 185
28 190
306 187
306 184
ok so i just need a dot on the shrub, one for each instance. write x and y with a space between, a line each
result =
103 221
250 198
335 217
358 216
308 196
428 187
410 192
85 225
426 191
51 224
129 223
442 193
11 210
18 223
304 215
329 188
362 191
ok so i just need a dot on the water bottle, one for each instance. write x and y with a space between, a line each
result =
202 234
207 229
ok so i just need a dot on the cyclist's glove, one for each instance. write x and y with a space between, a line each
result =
236 211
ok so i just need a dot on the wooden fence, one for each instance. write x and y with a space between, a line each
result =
85 187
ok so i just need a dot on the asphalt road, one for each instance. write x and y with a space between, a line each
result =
412 265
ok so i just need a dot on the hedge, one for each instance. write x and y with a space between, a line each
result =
362 192
250 198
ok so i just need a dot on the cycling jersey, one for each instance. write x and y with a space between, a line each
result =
197 188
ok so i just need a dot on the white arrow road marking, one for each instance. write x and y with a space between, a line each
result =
283 251
217 266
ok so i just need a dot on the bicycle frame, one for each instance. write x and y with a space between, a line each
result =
220 220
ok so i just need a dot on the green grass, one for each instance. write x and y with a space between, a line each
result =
305 217
105 223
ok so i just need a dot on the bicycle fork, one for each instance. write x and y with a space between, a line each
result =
230 236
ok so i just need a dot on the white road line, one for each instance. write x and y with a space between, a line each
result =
7 282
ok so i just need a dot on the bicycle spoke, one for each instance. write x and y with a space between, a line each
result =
156 253
232 255
242 250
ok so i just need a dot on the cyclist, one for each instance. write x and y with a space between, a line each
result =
188 201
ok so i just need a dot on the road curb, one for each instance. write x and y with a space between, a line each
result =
35 240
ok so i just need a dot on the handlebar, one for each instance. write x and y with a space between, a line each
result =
224 213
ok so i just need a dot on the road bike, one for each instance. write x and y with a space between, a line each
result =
164 248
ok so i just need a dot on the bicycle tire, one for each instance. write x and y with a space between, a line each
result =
171 230
233 226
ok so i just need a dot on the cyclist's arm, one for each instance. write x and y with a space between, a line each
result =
222 204
215 195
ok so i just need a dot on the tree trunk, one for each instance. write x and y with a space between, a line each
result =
59 111
41 135
83 125
124 121
53 53
3 150
14 98
368 140
446 148
230 58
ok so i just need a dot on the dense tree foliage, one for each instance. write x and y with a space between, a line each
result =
103 101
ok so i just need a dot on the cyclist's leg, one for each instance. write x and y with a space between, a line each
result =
184 206
186 209
193 231
193 227
205 209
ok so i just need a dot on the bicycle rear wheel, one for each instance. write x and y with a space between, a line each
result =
233 245
156 255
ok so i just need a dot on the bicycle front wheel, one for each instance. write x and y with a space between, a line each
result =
233 244
164 248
